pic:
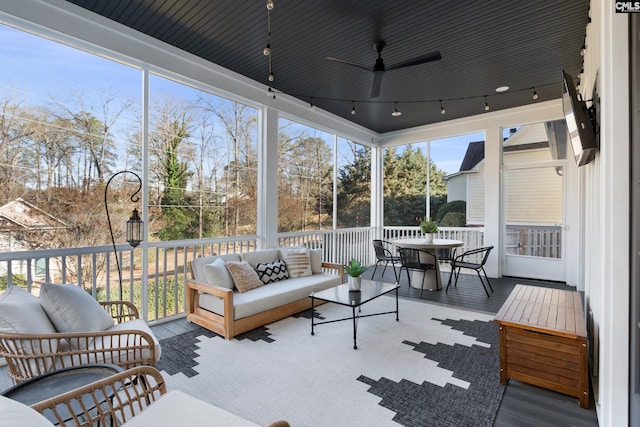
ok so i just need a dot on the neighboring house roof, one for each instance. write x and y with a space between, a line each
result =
20 214
473 156
529 137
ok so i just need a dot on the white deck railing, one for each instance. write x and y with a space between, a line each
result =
168 263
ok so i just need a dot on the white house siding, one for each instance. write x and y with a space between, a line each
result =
475 196
528 156
457 187
534 196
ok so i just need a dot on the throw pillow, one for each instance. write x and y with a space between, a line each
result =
244 276
72 309
269 272
297 261
217 274
21 313
316 260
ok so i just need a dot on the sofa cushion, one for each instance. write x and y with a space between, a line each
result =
21 313
119 341
244 276
217 274
72 309
297 260
271 296
258 257
270 272
197 264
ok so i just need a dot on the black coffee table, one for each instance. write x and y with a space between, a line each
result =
341 295
61 381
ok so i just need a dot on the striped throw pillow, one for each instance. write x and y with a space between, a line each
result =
297 261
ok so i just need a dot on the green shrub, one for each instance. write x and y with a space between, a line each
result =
454 219
16 279
454 206
171 306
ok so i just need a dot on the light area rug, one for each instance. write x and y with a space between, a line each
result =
436 366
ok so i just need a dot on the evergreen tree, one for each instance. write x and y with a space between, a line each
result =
354 190
405 177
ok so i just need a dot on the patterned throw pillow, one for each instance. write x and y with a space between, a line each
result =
270 272
244 276
297 261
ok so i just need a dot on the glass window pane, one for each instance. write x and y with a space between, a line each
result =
305 178
354 184
202 163
69 122
405 180
534 212
461 160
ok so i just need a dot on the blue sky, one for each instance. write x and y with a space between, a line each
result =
36 70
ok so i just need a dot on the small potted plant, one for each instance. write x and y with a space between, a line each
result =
355 269
429 228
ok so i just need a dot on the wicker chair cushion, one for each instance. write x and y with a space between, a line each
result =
14 413
71 309
217 274
20 312
123 341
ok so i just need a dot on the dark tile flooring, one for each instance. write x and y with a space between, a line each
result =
522 405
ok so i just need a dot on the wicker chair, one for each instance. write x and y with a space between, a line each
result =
136 397
29 356
120 398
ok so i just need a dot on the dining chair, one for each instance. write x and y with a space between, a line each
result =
384 255
414 260
474 259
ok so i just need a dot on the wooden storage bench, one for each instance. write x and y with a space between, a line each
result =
543 340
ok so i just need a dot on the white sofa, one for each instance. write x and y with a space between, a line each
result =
65 326
215 302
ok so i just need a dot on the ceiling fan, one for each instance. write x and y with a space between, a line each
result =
379 68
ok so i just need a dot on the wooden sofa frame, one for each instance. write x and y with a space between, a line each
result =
25 363
228 326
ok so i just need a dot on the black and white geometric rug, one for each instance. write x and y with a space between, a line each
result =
437 366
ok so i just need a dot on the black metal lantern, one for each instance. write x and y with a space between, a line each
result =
134 229
135 226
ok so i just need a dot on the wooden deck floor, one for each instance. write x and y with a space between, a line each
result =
523 405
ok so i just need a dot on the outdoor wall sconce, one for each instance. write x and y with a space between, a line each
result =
135 225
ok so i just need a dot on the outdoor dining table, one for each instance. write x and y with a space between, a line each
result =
433 281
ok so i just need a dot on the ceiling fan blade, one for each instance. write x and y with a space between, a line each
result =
353 64
377 81
432 56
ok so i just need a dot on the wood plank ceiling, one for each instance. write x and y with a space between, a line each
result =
484 45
